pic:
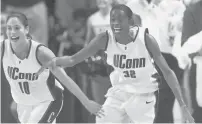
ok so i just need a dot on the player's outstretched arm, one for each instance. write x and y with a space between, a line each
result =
44 55
96 44
168 74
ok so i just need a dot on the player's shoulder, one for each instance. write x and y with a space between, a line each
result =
40 47
4 41
44 54
4 44
137 30
35 43
44 51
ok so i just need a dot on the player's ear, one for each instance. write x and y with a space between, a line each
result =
131 22
136 20
26 29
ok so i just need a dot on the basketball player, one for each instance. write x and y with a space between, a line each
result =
39 98
97 23
131 51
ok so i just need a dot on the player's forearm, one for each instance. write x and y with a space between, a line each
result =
65 61
175 87
91 49
69 61
186 88
74 89
71 85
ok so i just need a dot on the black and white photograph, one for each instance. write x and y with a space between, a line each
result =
101 61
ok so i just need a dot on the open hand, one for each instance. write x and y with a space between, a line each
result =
95 108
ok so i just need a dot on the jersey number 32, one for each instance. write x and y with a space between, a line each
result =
129 73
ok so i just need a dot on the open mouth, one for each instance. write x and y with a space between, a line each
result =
13 38
116 30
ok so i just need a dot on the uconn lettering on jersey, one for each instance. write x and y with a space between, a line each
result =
14 74
121 61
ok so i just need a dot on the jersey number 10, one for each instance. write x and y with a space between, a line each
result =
24 86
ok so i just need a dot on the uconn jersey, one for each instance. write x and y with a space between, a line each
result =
26 87
132 63
100 23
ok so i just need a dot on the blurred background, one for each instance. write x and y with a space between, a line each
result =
66 26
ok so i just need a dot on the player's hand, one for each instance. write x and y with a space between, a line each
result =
51 65
95 108
187 117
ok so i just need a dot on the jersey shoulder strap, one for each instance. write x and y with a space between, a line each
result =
2 49
106 46
145 41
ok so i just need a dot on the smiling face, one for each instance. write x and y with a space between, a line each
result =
119 22
16 30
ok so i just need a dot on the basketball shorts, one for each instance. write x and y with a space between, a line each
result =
45 112
123 107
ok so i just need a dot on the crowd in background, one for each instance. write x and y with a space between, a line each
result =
66 27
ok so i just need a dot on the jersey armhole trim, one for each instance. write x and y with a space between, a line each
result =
145 35
2 49
37 53
106 45
136 33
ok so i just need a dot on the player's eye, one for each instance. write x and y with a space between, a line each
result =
17 28
9 28
112 20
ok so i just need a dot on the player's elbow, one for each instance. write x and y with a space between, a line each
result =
71 61
65 61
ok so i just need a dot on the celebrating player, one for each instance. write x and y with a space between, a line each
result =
39 98
132 51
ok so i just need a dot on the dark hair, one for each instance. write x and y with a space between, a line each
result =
23 19
124 8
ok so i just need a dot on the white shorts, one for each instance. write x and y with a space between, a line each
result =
122 107
45 112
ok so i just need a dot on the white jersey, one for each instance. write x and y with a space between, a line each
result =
132 64
26 87
99 22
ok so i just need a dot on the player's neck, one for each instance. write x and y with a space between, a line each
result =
124 38
21 48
